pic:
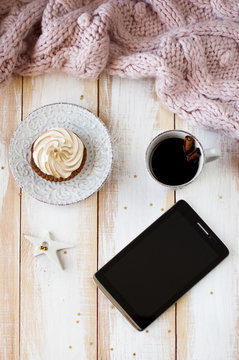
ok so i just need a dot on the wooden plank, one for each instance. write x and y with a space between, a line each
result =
10 114
59 308
208 314
130 201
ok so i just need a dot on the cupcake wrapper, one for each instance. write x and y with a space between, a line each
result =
52 178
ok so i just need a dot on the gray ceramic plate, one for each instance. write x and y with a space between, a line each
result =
95 137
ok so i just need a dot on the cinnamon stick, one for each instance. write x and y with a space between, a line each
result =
188 144
195 154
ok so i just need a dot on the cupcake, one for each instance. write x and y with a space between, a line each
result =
58 155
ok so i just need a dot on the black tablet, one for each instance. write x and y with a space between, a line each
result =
161 265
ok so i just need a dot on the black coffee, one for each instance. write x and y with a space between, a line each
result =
169 164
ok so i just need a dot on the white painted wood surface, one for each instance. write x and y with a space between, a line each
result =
208 314
39 304
51 299
129 203
10 116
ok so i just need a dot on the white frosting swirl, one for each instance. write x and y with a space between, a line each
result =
58 152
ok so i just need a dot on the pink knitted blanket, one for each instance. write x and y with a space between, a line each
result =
189 46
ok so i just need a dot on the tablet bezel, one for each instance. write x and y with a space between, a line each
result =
121 303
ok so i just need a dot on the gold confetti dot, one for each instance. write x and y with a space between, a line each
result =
134 354
70 347
135 176
45 248
65 252
41 247
112 307
147 331
81 97
20 194
77 321
2 167
150 204
220 196
169 331
111 349
91 343
125 207
78 314
211 292
162 209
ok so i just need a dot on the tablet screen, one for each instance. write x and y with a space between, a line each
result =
157 267
160 265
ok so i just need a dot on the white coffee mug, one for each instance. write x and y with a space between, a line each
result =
207 155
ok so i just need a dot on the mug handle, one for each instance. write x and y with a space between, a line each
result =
211 154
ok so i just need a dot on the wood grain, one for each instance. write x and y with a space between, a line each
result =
208 315
58 308
10 116
129 202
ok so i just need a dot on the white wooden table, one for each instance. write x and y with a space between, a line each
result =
48 314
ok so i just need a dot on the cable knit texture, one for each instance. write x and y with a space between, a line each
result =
189 47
